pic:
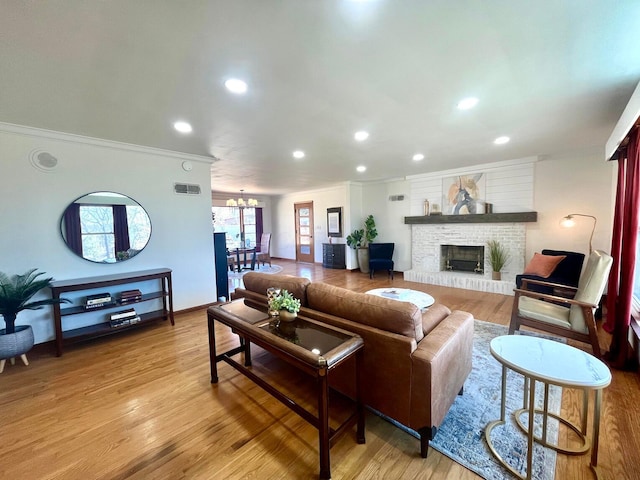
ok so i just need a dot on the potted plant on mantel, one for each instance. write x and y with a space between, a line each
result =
498 258
360 239
15 293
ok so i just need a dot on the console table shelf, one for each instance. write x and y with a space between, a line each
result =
117 304
73 335
103 329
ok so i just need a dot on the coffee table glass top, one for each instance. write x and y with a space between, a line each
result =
420 299
550 361
310 336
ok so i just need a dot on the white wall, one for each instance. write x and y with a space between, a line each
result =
33 201
554 186
579 182
389 217
283 239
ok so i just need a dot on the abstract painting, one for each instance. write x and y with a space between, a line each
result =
463 194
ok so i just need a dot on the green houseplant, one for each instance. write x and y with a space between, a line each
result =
286 304
370 234
498 258
359 240
15 293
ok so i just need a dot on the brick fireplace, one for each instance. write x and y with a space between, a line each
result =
431 243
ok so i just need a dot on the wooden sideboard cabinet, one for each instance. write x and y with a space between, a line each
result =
333 255
73 335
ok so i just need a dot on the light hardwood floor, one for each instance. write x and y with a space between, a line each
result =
139 405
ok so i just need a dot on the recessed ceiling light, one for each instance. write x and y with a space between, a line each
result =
236 85
361 135
361 168
298 154
418 156
501 140
182 127
467 103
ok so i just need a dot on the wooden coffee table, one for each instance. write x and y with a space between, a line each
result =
308 345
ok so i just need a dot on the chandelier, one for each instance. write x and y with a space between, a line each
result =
241 202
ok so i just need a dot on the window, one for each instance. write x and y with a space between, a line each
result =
240 225
98 231
98 238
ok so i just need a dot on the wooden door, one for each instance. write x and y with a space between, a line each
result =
304 232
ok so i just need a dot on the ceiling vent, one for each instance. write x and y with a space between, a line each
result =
186 189
396 198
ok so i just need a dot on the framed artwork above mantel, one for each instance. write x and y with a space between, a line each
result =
334 222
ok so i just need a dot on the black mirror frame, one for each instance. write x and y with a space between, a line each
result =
119 258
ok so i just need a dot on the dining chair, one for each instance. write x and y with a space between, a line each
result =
265 245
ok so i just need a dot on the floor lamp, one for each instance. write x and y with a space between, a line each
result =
568 221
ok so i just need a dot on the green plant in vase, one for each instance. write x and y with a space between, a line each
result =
15 293
498 258
285 303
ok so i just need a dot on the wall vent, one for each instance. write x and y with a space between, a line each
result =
186 189
396 198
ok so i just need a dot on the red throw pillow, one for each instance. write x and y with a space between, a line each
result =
543 265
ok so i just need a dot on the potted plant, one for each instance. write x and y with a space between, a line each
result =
15 293
286 304
354 240
498 258
360 239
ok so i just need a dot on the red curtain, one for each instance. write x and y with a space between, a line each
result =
623 250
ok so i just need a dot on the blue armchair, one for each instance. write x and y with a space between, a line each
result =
380 258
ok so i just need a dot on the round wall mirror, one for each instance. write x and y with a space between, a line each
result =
105 227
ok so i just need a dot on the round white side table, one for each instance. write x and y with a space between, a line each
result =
420 299
551 363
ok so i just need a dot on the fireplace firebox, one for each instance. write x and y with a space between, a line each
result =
462 258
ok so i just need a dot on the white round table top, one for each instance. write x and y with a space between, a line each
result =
550 361
420 299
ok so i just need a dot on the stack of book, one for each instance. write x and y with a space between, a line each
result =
98 300
125 317
130 296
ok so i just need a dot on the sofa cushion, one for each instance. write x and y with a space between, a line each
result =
259 283
543 265
403 318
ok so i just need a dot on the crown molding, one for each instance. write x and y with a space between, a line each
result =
482 168
98 142
630 115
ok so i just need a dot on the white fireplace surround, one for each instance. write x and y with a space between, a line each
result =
425 254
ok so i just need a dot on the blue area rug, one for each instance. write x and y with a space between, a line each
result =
461 435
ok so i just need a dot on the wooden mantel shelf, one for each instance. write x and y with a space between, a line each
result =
513 217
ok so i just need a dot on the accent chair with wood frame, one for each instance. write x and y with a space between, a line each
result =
567 317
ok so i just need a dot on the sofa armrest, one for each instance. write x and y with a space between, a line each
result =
441 364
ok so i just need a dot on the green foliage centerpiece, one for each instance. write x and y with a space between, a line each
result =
286 304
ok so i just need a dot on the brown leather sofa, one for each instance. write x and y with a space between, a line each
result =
415 363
